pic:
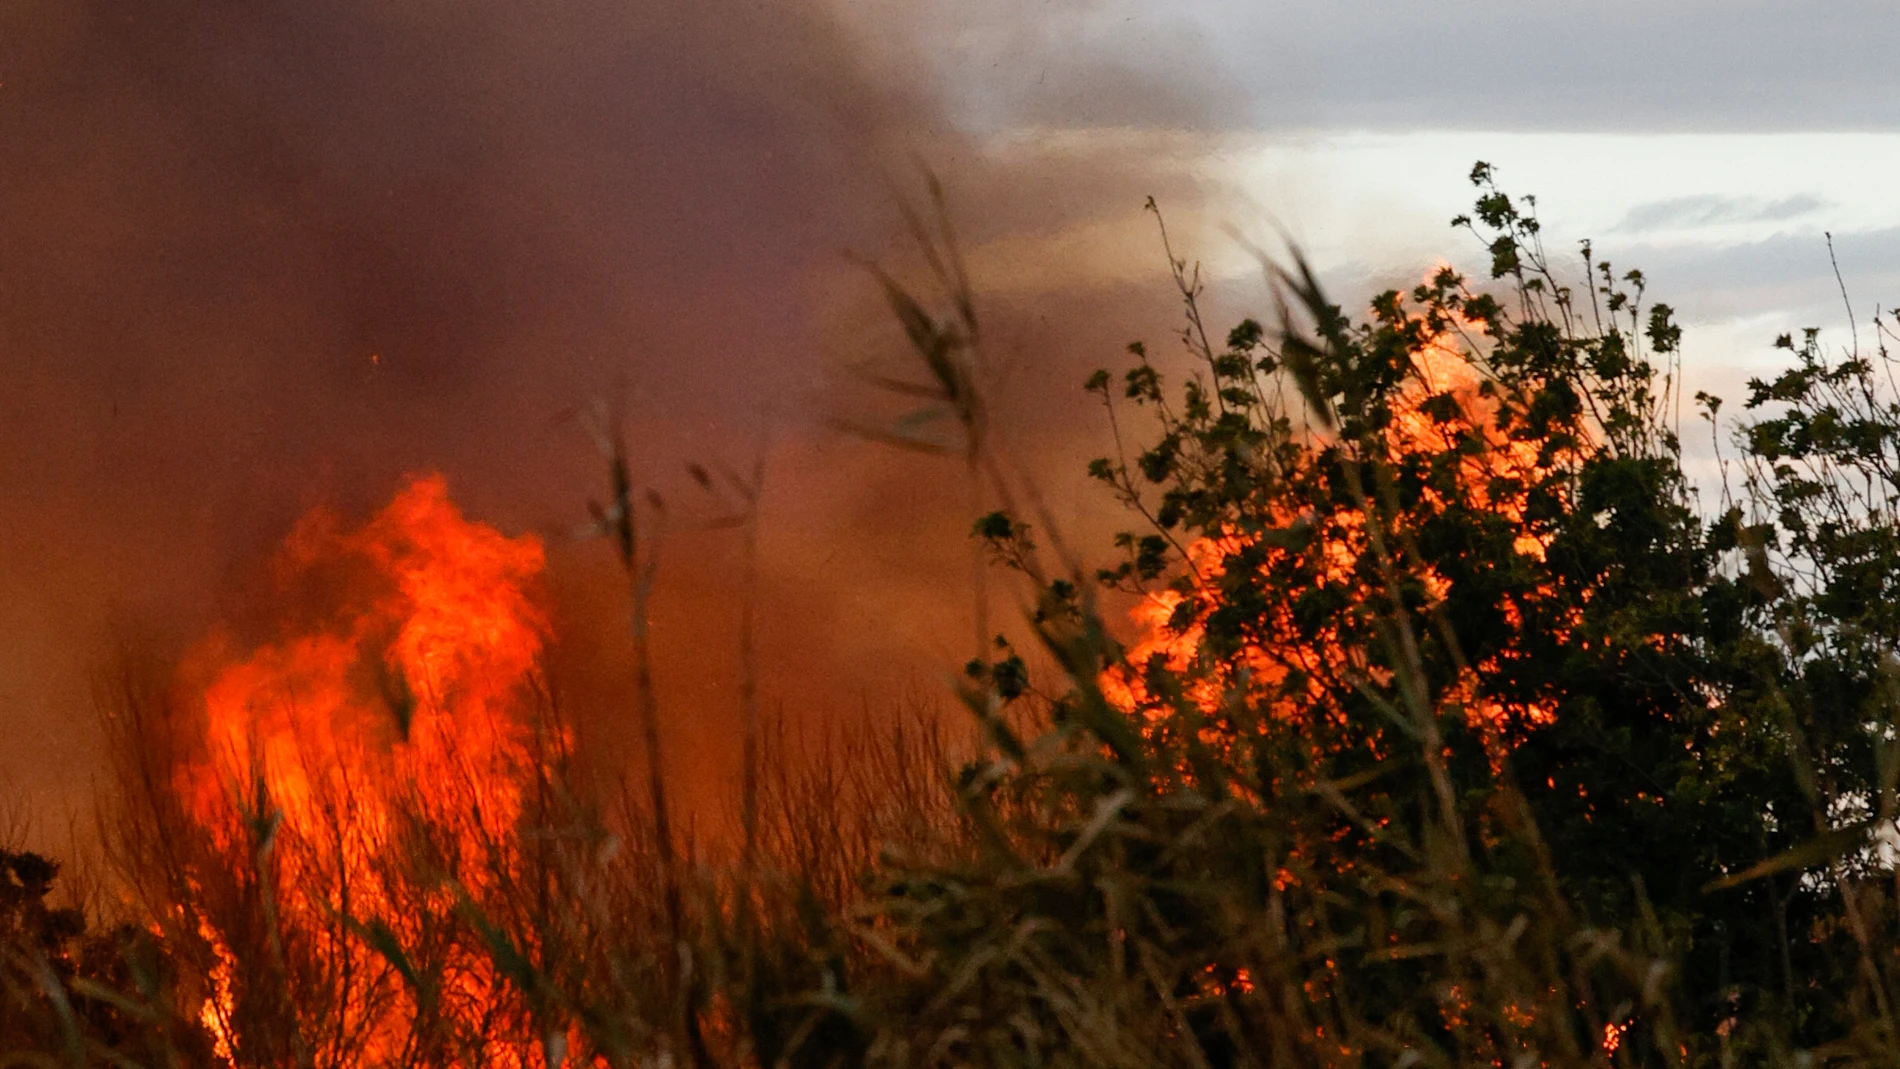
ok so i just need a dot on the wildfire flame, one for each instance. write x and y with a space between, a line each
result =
371 769
1295 672
1422 424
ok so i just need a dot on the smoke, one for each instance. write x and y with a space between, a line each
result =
260 256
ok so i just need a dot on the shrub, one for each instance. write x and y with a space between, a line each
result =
1457 730
1460 733
77 996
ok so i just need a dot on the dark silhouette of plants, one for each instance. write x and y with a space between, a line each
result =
1470 736
1462 728
74 996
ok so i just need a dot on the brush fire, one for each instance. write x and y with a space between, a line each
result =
1443 401
351 784
344 788
1447 730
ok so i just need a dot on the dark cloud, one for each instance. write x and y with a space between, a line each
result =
254 256
1622 66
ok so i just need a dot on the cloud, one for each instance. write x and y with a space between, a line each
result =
257 256
1616 66
1787 273
1709 209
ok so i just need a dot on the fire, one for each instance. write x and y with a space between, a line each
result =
1444 419
1613 1036
370 771
1444 399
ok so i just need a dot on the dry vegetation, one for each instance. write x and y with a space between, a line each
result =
1461 731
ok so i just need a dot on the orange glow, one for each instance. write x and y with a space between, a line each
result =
1613 1037
1296 672
372 768
1442 371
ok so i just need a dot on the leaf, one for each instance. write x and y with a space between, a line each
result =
898 441
916 420
382 940
1807 855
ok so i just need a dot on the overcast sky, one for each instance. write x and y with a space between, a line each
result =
258 254
1712 145
1615 66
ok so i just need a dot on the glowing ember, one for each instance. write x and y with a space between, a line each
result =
1613 1036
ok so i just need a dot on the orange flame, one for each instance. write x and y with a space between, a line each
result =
1444 404
393 729
1442 370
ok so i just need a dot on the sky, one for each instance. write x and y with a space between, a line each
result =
258 256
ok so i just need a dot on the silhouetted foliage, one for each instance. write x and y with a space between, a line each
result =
73 996
1458 728
1463 733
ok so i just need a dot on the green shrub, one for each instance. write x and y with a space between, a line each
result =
1463 733
1459 730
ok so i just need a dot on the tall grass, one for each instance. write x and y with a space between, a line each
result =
1463 736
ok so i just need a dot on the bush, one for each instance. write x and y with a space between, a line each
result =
77 996
1461 733
1458 730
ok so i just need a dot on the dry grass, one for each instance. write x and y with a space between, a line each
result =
1202 882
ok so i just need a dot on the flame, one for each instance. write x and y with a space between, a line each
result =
1295 671
372 767
1422 426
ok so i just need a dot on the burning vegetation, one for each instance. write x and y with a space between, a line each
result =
1454 729
377 769
320 803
